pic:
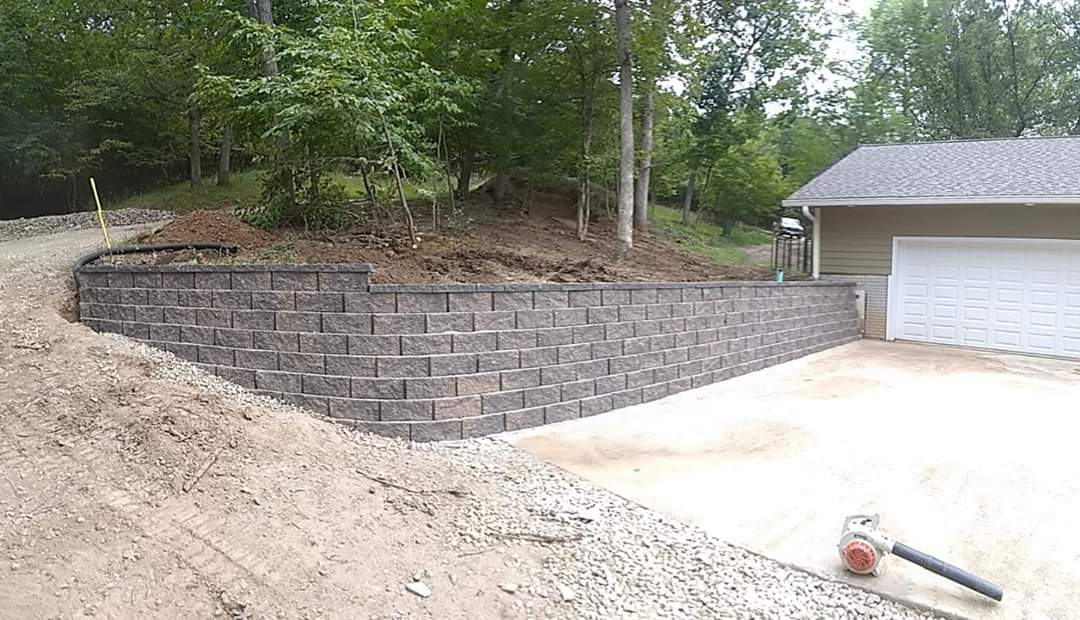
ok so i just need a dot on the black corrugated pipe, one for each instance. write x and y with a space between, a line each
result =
146 249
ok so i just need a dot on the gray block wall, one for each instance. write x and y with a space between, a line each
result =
877 300
435 362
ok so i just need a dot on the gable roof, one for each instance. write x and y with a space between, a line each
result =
995 171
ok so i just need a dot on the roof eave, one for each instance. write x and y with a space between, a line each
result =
935 201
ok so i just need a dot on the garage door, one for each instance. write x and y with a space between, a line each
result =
1011 294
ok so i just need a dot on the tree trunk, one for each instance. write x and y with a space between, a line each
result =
465 178
502 188
263 10
224 167
625 229
368 189
641 196
194 139
409 223
688 199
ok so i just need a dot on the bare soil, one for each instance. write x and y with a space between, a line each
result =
531 240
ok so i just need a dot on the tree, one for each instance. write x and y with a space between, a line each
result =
625 228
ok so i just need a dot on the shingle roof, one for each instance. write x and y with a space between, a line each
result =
998 169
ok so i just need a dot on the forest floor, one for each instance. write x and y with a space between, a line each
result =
532 239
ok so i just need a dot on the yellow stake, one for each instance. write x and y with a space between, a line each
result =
100 214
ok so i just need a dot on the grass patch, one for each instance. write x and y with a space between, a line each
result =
707 239
243 189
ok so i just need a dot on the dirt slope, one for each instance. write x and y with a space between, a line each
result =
506 244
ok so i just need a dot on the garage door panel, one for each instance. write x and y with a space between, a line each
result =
1009 294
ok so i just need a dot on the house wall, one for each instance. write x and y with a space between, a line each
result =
431 362
856 242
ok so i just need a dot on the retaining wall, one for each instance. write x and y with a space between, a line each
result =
434 362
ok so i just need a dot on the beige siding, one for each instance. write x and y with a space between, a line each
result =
858 240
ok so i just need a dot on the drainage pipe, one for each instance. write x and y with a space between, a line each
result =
147 249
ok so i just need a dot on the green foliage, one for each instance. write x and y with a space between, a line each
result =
707 239
242 192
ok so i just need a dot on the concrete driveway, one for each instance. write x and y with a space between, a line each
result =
973 457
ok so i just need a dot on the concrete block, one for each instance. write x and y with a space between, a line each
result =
251 280
519 379
157 297
260 360
150 314
633 346
422 302
668 295
278 381
632 313
233 338
582 299
479 384
456 364
655 392
190 298
342 281
577 390
652 359
662 342
121 279
208 317
575 353
470 302
303 363
294 281
682 310
402 366
461 407
526 418
298 322
239 376
139 331
615 297
535 319
378 389
337 323
550 300
374 345
500 402
592 369
390 430
498 360
554 337
483 426
513 300
546 356
612 383
658 311
337 344
378 303
213 280
519 339
588 333
426 344
350 365
566 317
320 302
639 378
177 280
184 351
646 328
354 409
444 430
595 405
603 314
399 323
551 375
196 335
273 300
562 412
406 410
535 397
494 321
447 322
322 385
618 331
318 404
644 296
663 374
430 387
165 333
474 342
133 296
626 398
603 350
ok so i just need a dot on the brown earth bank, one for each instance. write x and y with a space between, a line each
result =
509 244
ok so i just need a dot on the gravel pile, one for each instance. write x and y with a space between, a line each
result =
50 224
612 558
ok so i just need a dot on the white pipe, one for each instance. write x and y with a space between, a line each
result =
815 268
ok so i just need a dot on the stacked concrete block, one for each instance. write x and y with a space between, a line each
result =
436 362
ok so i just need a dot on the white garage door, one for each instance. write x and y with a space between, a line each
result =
1010 294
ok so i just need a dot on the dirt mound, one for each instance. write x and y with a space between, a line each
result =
212 226
509 243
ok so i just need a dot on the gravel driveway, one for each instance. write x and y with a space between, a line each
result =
132 485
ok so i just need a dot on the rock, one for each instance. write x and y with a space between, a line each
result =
566 593
419 588
509 588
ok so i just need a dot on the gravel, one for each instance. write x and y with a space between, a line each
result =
50 224
612 558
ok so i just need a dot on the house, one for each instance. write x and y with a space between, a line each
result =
973 243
